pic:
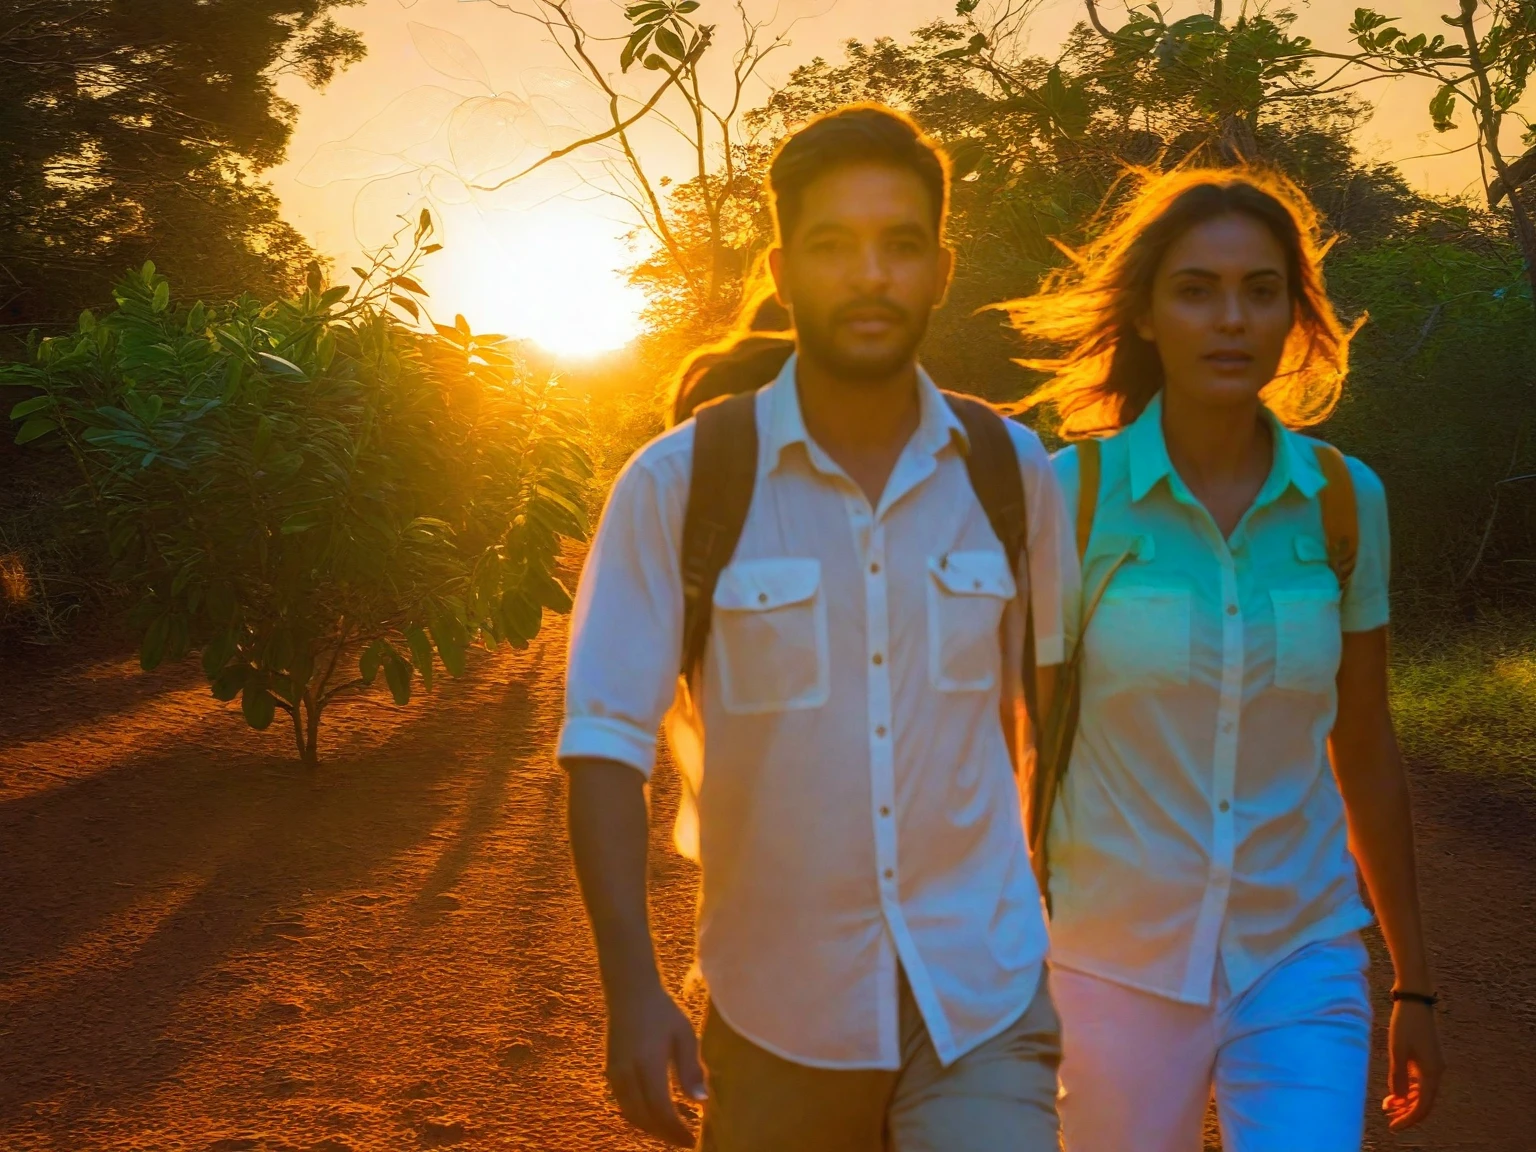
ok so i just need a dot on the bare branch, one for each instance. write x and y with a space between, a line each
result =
1098 24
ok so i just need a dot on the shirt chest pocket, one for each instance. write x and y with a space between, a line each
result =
770 624
1139 635
1308 641
967 594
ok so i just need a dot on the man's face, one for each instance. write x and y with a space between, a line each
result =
863 270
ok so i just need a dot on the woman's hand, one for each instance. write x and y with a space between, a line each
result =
1413 1077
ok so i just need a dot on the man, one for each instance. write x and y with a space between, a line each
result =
869 928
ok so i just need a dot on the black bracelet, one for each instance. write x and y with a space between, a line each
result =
1429 1000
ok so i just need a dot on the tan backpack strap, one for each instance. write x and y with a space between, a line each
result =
1089 468
1341 518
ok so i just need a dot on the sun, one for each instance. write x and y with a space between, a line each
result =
553 276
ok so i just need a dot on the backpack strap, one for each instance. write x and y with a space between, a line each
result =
1090 463
992 464
1060 729
719 497
1341 516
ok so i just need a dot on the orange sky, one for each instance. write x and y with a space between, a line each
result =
541 260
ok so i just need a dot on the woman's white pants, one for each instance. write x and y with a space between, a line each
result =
1287 1059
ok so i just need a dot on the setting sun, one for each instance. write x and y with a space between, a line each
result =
552 276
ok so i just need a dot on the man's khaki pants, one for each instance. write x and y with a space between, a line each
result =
1000 1097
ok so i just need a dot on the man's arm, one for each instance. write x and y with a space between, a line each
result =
626 629
647 1031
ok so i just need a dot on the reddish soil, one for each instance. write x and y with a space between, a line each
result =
202 947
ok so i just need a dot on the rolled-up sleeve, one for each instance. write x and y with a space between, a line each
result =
1366 602
1053 571
626 624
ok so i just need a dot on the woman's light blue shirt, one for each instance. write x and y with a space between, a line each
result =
1200 821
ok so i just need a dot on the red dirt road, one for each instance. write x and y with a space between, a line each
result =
203 949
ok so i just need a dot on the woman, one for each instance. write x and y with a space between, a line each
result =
1206 910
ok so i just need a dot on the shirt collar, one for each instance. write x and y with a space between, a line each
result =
937 425
1294 463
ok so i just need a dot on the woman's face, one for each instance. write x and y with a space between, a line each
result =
1220 311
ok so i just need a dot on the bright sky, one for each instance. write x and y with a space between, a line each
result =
466 87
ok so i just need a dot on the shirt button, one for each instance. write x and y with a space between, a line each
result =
874 569
1231 609
889 874
877 659
762 597
1225 806
884 811
880 731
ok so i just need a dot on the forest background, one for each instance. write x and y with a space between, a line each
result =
388 490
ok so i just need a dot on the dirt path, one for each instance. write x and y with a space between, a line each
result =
202 949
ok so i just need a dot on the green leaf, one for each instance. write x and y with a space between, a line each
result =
162 297
373 656
257 704
406 304
670 43
397 674
333 296
152 650
229 683
1442 108
302 521
654 62
27 407
633 47
87 321
35 427
279 366
409 284
966 157
452 640
219 652
421 653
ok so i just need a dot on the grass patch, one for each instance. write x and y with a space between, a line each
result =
1466 700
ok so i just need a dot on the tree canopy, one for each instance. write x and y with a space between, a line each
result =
138 128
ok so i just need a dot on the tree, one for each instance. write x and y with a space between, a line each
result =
138 127
292 484
1486 76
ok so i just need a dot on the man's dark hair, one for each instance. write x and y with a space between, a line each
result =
856 134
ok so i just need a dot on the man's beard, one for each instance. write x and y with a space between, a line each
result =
817 339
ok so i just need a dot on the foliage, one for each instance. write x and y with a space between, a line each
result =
1487 75
1441 396
138 127
1467 701
295 483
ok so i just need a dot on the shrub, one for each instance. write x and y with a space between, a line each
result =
293 483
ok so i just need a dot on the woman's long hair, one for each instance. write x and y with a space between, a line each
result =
743 360
1107 374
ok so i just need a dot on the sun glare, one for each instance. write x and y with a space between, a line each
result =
552 276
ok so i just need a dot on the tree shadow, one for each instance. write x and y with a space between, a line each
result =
88 992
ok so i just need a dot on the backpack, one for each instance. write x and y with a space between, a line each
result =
1341 536
725 473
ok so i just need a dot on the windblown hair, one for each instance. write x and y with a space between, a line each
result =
1108 374
751 354
743 360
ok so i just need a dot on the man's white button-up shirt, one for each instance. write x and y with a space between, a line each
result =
844 759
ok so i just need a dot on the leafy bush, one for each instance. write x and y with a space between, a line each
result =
292 483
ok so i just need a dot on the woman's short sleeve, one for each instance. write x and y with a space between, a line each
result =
1365 606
